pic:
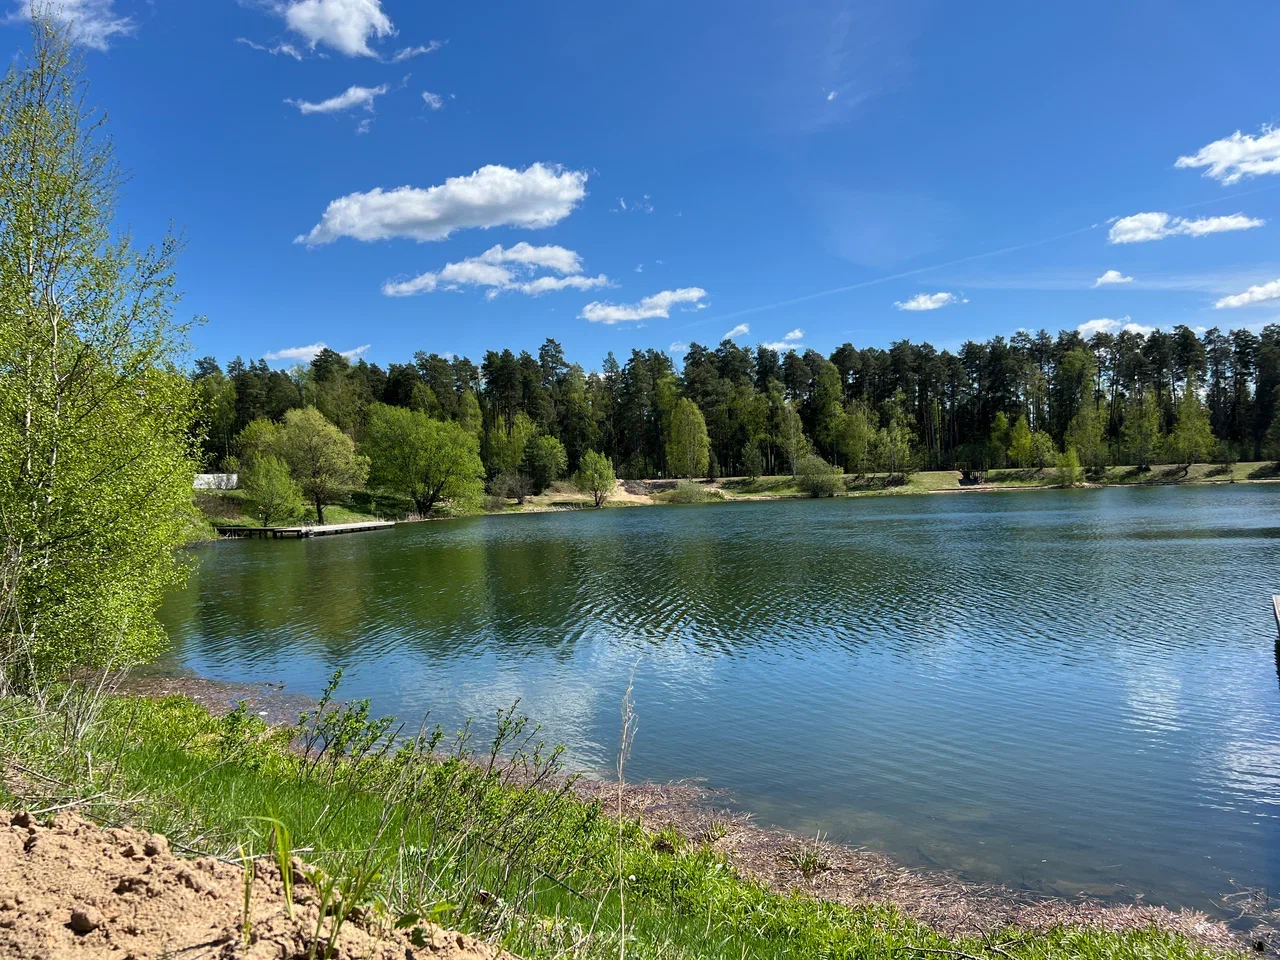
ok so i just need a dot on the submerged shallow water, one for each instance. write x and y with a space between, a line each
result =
1063 691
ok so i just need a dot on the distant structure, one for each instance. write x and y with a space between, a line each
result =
216 481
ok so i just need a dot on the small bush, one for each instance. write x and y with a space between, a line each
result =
817 477
686 491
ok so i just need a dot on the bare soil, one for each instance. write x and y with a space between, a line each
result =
71 889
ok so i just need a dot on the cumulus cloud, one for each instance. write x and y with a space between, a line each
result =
93 23
432 100
1258 293
308 353
741 330
493 196
1237 157
789 341
929 301
1144 227
678 347
658 305
349 99
346 26
502 269
1107 325
1110 277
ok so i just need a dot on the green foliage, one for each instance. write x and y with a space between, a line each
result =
688 447
504 446
855 437
321 457
752 463
545 461
1021 443
1085 436
1043 451
273 495
795 445
595 476
999 442
1192 438
686 491
512 486
819 478
1070 473
258 438
97 427
429 461
1140 434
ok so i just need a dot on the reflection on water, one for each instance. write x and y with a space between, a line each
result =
1063 691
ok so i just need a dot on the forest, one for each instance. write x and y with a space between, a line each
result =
1164 397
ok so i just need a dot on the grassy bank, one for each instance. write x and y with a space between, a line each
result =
491 841
229 508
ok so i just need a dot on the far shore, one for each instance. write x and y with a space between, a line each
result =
228 508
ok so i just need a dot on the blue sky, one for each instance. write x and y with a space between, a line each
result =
656 173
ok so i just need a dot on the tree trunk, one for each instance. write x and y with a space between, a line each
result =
319 512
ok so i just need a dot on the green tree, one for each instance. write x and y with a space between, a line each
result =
999 441
688 448
1085 435
258 438
1070 472
1192 439
1021 444
504 446
752 462
1140 434
817 477
1043 451
271 491
545 461
855 437
426 460
795 445
595 476
97 440
321 458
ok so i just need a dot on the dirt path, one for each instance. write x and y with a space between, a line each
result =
76 890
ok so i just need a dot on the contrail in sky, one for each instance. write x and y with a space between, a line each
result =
938 266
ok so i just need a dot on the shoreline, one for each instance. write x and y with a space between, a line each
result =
646 493
789 863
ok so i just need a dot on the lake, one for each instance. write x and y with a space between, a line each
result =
1066 691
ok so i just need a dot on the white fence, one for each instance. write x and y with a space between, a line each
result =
216 481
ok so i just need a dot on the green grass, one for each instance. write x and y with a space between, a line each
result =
230 508
461 837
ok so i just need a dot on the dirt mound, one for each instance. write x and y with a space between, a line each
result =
74 889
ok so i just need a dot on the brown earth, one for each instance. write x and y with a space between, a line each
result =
75 890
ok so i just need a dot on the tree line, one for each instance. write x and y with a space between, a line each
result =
1173 397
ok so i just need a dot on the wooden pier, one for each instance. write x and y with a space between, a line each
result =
331 529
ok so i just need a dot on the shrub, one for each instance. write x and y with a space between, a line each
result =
817 477
686 491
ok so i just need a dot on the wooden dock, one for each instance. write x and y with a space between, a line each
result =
327 530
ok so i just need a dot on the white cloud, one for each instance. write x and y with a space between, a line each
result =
831 95
287 49
794 336
643 205
408 53
678 347
929 301
1238 156
1107 325
504 269
493 196
639 268
93 23
1110 277
344 25
658 305
741 330
308 353
1259 293
782 346
432 100
350 98
1144 227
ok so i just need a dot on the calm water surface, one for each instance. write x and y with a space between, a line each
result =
1067 691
